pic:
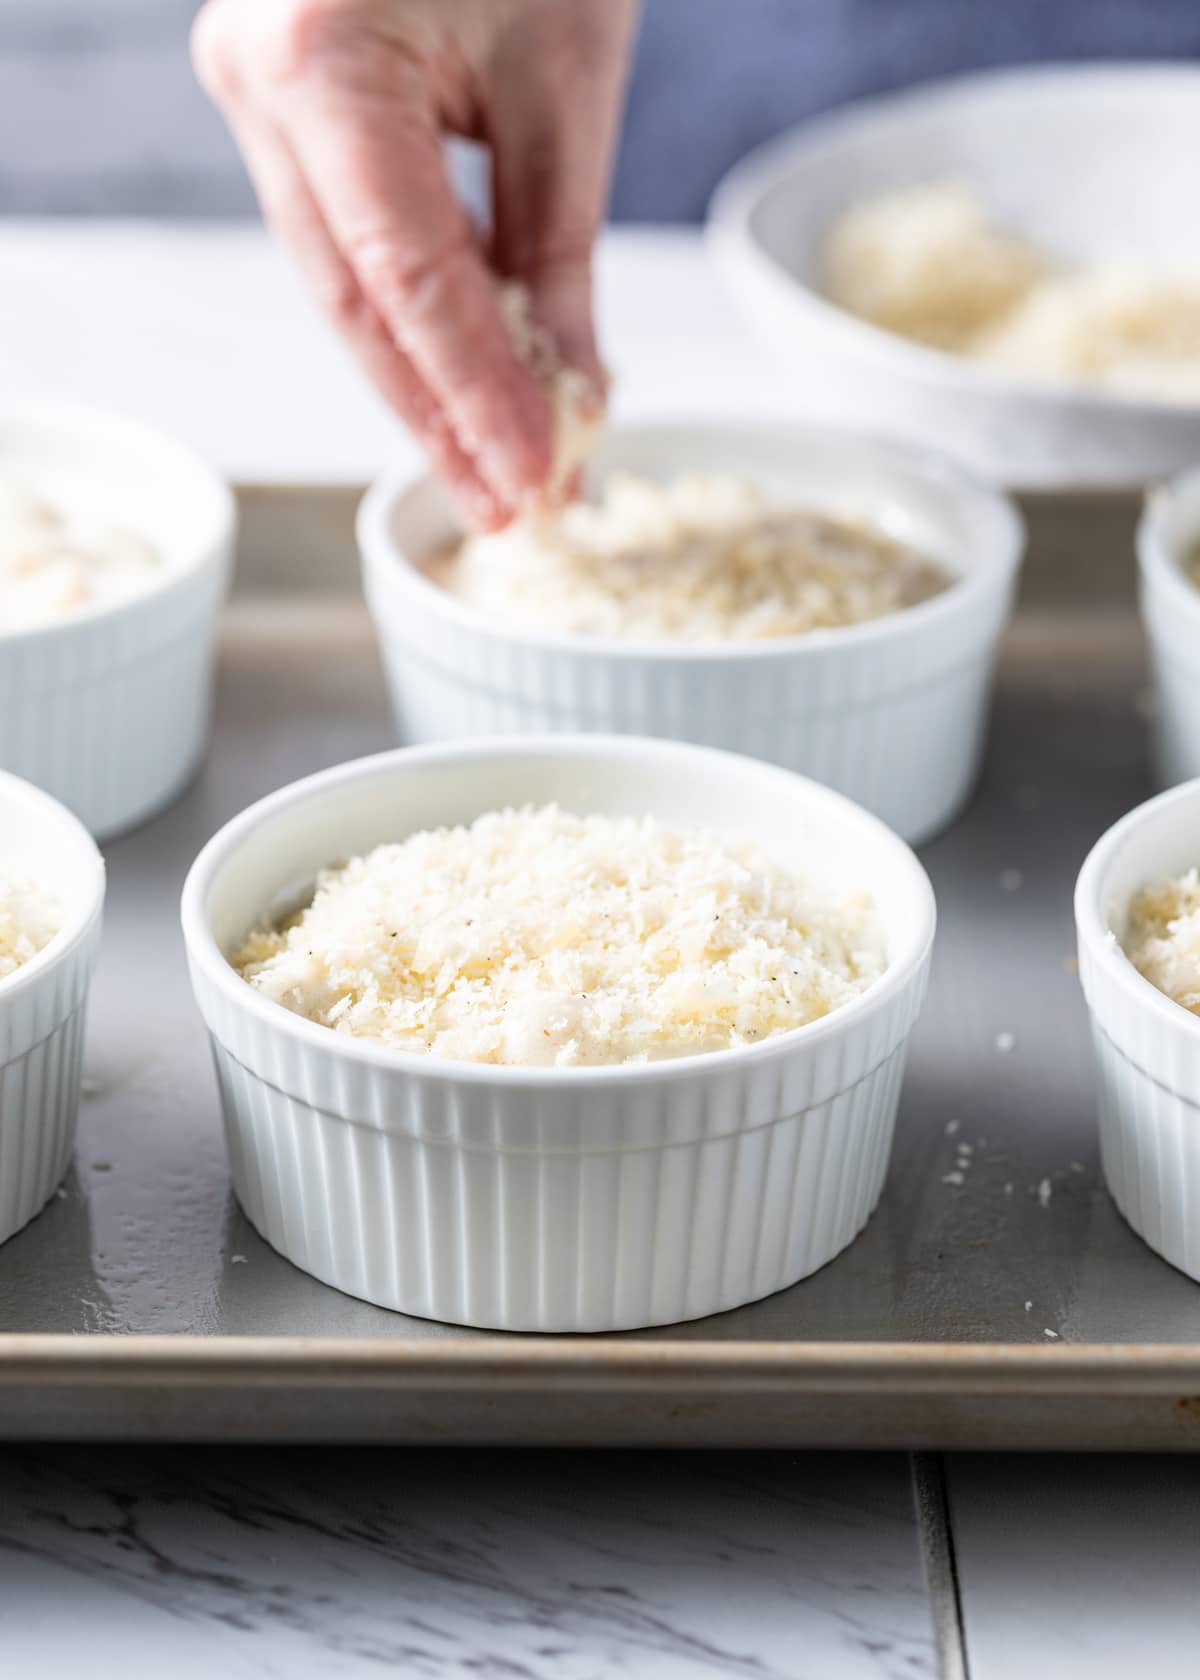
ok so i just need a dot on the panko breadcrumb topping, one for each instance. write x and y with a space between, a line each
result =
537 938
701 558
29 919
1162 938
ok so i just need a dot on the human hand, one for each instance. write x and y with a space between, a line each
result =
340 108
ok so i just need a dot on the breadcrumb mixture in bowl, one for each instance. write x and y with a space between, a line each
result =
633 942
925 262
1162 938
698 558
928 263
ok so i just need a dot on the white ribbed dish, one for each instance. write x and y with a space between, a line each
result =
546 1199
44 1003
890 713
1168 534
109 710
1147 1047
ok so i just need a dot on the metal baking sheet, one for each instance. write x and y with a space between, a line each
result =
141 1304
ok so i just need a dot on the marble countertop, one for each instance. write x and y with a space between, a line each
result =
547 1566
128 1564
290 1562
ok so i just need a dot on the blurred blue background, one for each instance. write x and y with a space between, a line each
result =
99 114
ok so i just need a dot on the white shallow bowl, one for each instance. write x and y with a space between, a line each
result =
44 1003
1091 163
109 710
550 1199
1147 1047
1169 533
890 713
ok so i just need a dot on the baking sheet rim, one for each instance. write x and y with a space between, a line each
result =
566 1365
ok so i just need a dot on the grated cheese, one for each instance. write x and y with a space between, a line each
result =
29 920
925 262
697 559
1162 939
537 938
53 566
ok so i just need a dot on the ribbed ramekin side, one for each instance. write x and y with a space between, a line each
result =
39 1106
111 717
1157 1037
1171 614
115 749
482 1206
1176 730
1150 1149
910 754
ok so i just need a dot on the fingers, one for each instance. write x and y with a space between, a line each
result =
375 165
339 105
291 209
553 110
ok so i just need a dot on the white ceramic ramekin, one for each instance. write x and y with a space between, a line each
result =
549 1199
890 713
109 710
1025 139
1168 534
44 1003
1147 1047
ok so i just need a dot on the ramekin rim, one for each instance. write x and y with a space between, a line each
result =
389 561
66 942
1091 921
203 950
202 554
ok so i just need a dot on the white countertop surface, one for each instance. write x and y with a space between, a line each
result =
262 1562
207 331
